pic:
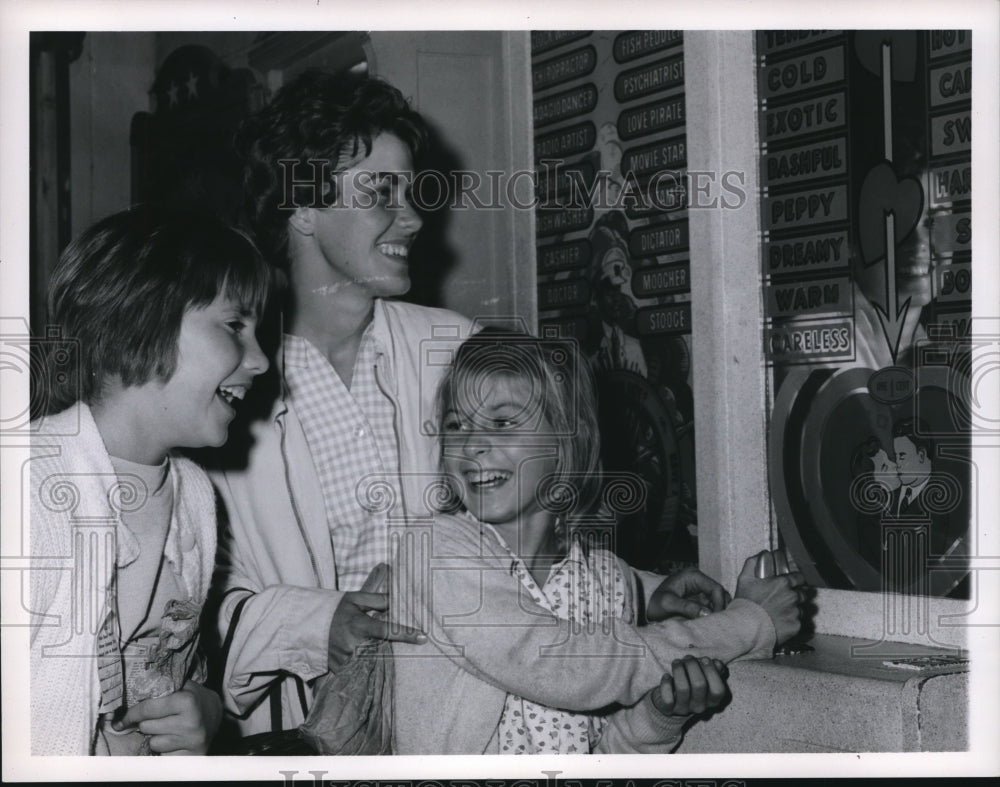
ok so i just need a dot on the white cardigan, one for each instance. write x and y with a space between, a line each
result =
76 539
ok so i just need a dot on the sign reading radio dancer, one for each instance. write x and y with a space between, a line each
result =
569 104
866 218
613 268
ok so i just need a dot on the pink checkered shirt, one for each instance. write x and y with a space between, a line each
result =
350 435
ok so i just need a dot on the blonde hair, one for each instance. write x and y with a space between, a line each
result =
566 400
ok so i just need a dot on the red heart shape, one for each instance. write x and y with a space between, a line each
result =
868 50
882 192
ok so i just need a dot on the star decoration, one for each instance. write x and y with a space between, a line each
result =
172 92
192 85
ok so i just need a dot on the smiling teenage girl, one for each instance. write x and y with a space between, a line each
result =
328 167
162 311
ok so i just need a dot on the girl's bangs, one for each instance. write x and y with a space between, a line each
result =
241 274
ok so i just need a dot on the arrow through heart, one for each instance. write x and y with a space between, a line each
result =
881 193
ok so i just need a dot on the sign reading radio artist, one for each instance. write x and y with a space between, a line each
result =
817 69
566 141
578 63
817 206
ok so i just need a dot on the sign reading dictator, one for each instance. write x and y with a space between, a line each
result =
658 239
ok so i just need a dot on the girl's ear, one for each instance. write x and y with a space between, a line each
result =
303 221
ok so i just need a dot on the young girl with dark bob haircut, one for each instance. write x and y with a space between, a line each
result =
158 312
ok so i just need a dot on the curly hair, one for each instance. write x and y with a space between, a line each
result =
319 118
121 290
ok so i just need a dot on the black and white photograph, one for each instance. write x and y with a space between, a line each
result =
389 392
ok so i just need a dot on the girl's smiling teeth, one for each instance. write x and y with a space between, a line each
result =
229 393
487 479
394 250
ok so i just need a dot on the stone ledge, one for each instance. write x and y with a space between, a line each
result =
839 698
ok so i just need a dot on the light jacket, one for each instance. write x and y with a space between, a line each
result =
76 536
488 638
279 554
